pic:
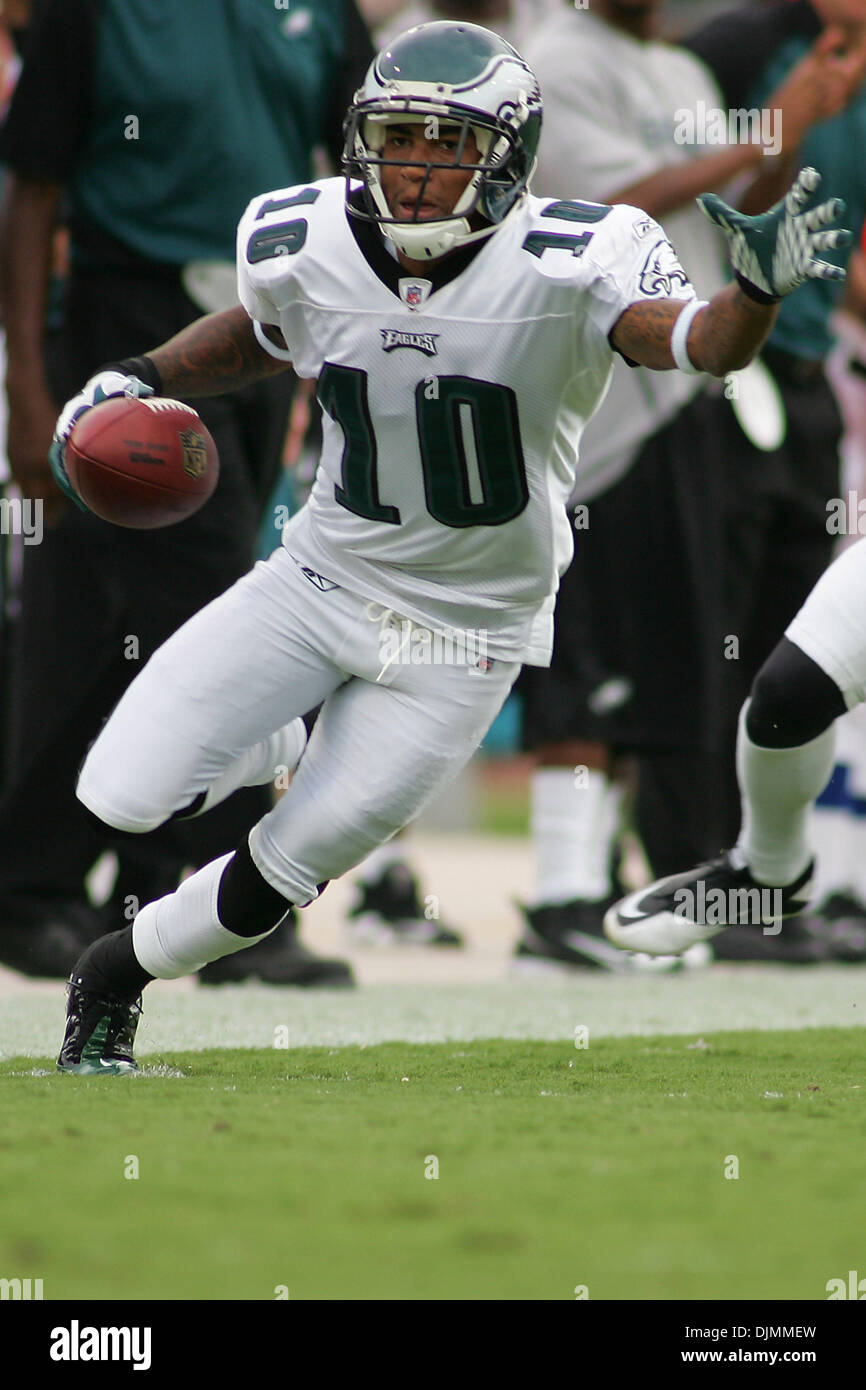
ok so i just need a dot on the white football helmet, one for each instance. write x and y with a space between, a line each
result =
474 80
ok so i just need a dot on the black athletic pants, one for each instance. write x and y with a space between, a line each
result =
640 624
777 547
97 600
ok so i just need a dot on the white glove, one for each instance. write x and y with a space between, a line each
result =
99 388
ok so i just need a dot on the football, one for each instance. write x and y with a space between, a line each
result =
142 463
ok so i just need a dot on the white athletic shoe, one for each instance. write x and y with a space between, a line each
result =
675 913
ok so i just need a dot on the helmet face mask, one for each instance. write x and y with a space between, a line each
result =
449 77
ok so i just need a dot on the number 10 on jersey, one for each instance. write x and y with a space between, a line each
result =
469 441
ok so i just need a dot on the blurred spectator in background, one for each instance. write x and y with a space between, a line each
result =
513 19
643 613
149 126
377 11
13 21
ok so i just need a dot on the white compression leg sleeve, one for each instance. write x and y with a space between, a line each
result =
180 933
778 786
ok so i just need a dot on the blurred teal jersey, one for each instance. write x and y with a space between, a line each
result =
837 149
195 107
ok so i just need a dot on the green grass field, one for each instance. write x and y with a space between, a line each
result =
558 1167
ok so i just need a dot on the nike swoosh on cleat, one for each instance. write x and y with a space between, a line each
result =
625 919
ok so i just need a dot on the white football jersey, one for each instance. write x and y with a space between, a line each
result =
452 416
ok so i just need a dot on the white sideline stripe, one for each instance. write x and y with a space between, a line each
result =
181 1016
428 994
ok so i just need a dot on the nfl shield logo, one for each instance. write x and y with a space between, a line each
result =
194 447
414 292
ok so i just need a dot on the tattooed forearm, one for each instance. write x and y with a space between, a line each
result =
215 354
643 333
722 338
726 335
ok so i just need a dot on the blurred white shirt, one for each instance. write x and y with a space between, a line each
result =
525 16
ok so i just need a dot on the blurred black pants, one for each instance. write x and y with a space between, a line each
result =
777 546
96 600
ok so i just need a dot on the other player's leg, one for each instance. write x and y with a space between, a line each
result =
784 759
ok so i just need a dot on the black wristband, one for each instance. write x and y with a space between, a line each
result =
142 367
752 292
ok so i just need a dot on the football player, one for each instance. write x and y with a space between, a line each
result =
461 332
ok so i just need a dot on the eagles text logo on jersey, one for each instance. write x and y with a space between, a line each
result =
399 338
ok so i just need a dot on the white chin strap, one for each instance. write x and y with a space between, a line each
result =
425 241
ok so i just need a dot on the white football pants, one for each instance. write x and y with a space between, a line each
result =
831 626
274 646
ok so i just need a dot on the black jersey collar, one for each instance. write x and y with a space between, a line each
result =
389 270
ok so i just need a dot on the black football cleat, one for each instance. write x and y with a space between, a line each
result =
100 1032
840 923
280 959
834 932
798 943
675 913
389 912
570 935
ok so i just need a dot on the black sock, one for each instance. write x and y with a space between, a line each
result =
793 700
246 903
110 966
